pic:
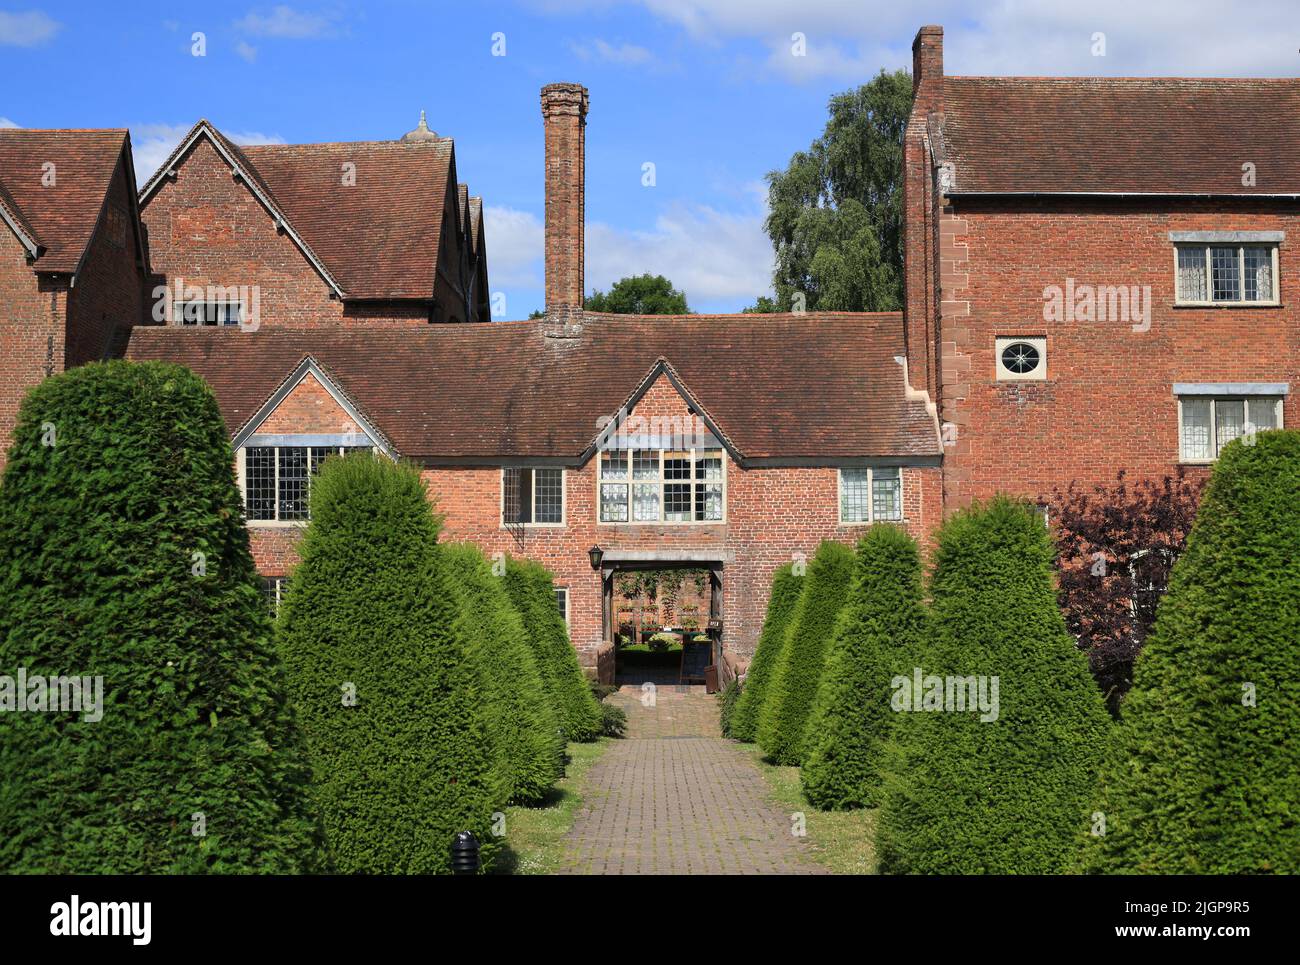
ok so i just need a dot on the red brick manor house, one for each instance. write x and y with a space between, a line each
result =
1097 278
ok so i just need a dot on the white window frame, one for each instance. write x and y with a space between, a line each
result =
222 313
871 502
628 482
1214 419
278 584
1227 242
241 460
564 499
565 591
1004 374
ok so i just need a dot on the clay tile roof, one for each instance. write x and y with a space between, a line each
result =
1118 135
61 216
378 237
816 386
475 223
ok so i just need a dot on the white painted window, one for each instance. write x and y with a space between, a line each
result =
869 495
662 485
562 601
275 479
1218 274
228 313
1208 423
532 496
273 588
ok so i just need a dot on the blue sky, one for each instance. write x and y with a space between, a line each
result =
709 91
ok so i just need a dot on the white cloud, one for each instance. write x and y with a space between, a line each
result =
287 23
28 29
710 255
246 51
851 40
5 122
515 247
152 144
628 55
713 256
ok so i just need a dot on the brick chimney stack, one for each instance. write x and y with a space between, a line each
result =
920 213
927 68
564 113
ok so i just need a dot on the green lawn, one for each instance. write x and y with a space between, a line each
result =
843 841
646 648
534 842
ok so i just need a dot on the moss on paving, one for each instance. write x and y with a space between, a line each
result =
534 841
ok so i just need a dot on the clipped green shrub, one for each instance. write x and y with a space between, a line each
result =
798 674
613 721
123 555
524 728
389 701
533 594
786 587
992 786
1203 776
727 706
876 639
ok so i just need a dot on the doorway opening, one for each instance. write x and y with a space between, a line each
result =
664 619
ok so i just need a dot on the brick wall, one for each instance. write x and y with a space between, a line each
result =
32 313
109 293
771 514
46 326
1107 403
206 228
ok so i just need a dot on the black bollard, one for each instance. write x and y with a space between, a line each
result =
464 854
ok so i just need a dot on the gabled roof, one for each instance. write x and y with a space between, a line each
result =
244 168
55 216
309 366
813 387
1139 135
476 224
375 238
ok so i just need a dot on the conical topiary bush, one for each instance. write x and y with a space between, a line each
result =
532 592
390 702
123 556
1203 775
784 719
992 781
523 723
786 586
877 638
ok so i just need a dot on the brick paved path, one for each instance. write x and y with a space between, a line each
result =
673 797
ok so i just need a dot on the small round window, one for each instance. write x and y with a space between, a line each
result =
1021 358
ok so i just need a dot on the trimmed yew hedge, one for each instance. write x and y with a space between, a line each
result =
1203 776
523 723
786 586
123 554
532 592
798 673
876 639
370 611
1006 796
